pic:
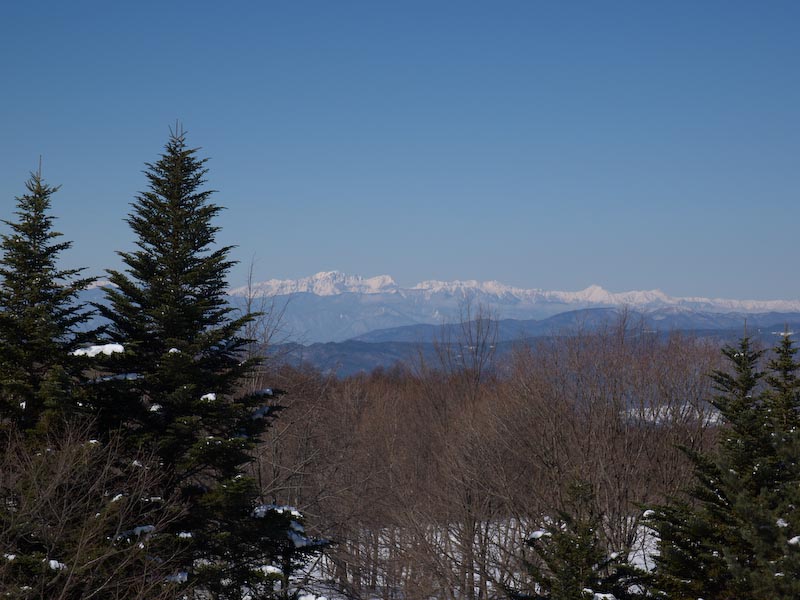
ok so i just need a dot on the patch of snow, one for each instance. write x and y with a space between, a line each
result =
261 412
210 397
56 565
297 527
117 497
137 531
270 570
795 540
92 351
120 377
538 534
261 511
781 523
299 541
179 577
670 414
174 351
644 549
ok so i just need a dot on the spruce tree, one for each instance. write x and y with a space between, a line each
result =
40 318
175 387
733 537
571 560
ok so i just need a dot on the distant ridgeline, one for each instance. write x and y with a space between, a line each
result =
348 324
387 347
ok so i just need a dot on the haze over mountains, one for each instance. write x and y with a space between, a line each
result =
346 324
332 306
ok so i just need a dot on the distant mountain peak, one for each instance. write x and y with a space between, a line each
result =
595 294
100 283
324 283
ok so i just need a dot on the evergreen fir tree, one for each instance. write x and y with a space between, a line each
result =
40 319
570 559
780 497
782 400
731 539
175 388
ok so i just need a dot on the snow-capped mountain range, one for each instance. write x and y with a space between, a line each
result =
334 306
325 283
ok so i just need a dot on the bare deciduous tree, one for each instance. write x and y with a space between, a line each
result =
78 520
430 479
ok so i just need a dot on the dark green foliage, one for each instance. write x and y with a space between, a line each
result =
39 318
170 311
175 388
570 558
731 539
270 542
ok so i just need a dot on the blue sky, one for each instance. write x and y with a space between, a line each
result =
635 145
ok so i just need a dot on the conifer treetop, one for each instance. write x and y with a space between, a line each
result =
176 277
40 319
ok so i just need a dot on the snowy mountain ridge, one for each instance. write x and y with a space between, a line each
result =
325 283
335 283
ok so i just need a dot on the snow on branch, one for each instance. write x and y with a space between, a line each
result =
92 351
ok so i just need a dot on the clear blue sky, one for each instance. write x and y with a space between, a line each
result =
635 145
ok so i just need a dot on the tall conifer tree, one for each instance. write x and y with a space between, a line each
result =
40 318
175 388
735 537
